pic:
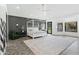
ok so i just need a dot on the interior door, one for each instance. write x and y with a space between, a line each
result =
49 27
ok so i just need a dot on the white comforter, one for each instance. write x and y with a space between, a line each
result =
36 33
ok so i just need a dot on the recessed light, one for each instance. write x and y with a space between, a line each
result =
18 7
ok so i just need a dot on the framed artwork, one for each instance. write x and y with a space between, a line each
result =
71 26
60 27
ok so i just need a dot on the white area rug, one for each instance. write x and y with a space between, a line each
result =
49 45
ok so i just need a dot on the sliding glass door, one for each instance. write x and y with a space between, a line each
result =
49 27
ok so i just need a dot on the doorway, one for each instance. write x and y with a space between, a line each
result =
49 27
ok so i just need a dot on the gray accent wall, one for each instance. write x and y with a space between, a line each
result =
13 20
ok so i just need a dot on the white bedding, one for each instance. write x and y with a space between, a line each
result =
36 33
53 45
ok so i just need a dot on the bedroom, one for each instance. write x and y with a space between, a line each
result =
43 29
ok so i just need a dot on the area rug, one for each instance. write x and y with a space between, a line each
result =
49 45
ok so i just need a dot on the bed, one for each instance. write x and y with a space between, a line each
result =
49 45
34 32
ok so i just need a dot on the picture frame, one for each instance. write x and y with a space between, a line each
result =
60 27
71 26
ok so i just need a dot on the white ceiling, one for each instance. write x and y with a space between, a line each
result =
36 10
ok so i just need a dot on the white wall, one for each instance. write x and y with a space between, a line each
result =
63 20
